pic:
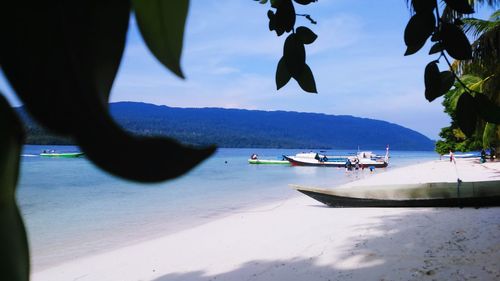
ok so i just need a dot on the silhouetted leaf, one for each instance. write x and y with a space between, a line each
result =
466 114
162 26
436 48
305 35
306 80
272 23
436 36
458 22
423 6
294 55
437 83
284 17
487 109
144 159
282 74
305 2
275 3
418 30
56 60
63 52
455 42
461 6
432 81
14 257
410 50
447 81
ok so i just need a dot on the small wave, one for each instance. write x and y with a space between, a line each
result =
29 155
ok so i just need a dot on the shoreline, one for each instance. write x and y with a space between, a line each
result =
300 239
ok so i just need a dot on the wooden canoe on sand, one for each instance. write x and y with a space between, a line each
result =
438 194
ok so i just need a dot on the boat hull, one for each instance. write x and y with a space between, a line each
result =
313 162
62 155
467 194
268 162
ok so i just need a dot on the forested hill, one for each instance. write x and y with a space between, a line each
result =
252 128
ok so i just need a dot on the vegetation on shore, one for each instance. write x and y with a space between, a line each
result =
251 128
481 74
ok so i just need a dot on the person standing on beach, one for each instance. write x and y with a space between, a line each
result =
452 156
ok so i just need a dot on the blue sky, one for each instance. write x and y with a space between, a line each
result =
230 59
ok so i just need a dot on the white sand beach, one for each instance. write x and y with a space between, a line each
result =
301 239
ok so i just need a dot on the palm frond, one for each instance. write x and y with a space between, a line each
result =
477 27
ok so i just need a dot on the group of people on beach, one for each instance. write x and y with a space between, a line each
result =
483 155
355 165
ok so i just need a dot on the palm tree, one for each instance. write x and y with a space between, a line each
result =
485 52
485 64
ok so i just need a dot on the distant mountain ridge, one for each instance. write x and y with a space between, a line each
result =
255 128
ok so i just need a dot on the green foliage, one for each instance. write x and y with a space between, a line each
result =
468 130
249 128
162 26
450 40
490 135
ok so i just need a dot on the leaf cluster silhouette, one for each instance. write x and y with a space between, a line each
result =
449 39
293 62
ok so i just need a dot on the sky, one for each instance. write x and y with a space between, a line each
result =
230 58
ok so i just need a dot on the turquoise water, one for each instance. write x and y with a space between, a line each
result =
73 209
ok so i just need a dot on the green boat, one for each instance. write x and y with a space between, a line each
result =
62 154
437 194
265 161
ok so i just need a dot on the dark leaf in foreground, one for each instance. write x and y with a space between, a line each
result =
294 55
447 81
60 53
305 2
144 159
282 74
423 6
64 69
410 50
436 48
284 19
305 35
272 23
455 42
14 257
306 80
461 6
162 26
487 109
436 36
418 30
432 81
466 114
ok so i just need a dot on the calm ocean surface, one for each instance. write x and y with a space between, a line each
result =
73 209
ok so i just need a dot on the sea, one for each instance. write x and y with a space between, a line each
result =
73 209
